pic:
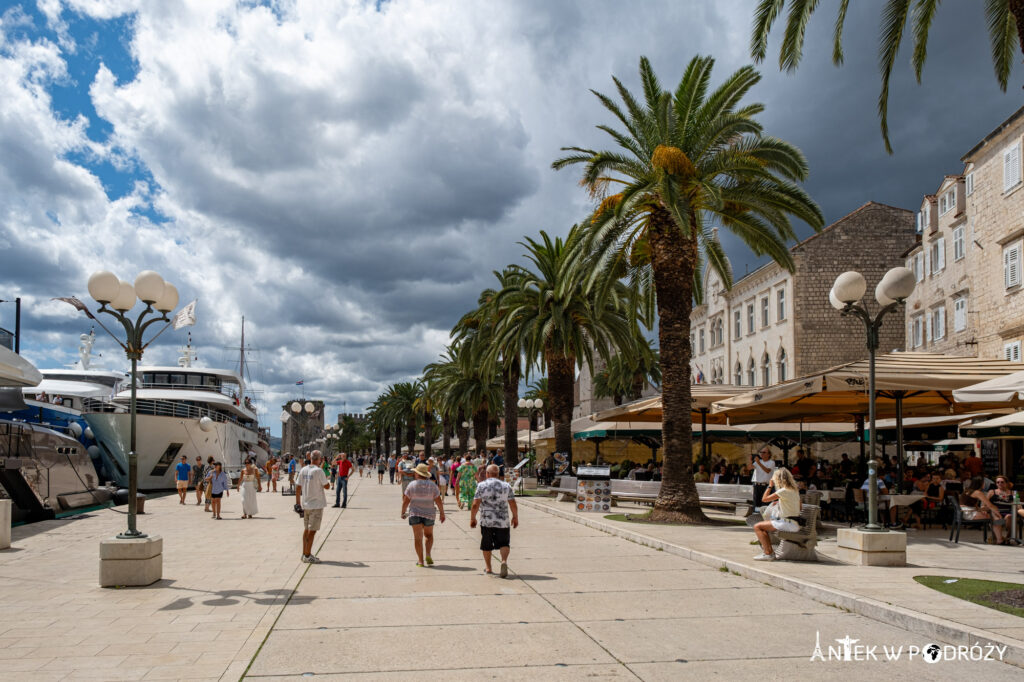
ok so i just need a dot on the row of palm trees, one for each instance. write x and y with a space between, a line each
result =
683 161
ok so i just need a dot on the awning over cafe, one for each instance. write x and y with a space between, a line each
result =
1007 426
1001 389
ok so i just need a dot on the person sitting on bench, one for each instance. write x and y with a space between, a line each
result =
783 516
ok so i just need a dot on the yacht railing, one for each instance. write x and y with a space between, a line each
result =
224 390
163 408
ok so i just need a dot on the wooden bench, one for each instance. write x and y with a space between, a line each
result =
799 545
565 488
726 494
645 492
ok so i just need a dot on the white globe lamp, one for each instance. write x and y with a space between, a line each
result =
169 300
125 299
104 286
149 286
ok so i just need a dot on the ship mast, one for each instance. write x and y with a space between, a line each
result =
241 359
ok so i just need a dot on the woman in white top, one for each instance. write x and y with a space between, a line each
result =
783 488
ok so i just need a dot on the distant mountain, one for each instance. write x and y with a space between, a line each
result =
275 443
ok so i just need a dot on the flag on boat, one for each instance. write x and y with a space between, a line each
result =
186 317
75 302
299 382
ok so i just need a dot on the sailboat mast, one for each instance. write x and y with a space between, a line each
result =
241 358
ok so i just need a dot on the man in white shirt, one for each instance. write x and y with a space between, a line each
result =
764 467
310 484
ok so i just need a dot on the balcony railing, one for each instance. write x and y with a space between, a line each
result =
163 408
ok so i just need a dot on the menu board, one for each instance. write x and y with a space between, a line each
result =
990 457
593 496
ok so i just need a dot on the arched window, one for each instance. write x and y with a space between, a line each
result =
720 332
751 373
766 370
783 373
739 374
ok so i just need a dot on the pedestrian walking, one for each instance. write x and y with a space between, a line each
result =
219 486
360 460
249 484
310 484
420 498
291 471
444 473
392 463
208 482
467 483
181 474
405 466
493 501
341 489
199 479
275 472
381 466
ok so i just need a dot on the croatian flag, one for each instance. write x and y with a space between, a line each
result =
299 382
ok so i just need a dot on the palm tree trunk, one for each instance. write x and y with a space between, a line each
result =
480 419
410 434
387 442
636 390
376 442
561 372
428 431
462 431
672 259
398 439
510 383
446 441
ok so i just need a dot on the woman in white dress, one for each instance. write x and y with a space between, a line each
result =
249 485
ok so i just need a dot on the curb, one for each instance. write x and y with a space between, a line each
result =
945 631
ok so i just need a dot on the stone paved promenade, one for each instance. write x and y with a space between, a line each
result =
581 604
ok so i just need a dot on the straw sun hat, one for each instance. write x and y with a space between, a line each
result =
422 470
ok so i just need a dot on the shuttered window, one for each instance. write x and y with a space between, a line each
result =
960 313
1011 266
1011 167
1011 351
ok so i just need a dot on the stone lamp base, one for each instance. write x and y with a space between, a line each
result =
134 562
871 549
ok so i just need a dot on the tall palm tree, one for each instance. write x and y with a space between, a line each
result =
1005 20
466 387
559 315
505 353
405 396
684 160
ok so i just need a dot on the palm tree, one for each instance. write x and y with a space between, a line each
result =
1003 17
628 372
559 319
466 387
405 397
504 353
685 159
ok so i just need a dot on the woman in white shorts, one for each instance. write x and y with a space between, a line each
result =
783 488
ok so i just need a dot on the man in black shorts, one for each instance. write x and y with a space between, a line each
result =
493 501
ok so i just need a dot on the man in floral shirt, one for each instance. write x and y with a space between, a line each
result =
493 501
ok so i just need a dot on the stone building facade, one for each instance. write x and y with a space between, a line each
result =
301 427
773 325
969 261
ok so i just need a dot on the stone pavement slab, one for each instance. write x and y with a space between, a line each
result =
580 603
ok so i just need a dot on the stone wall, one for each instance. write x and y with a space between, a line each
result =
871 240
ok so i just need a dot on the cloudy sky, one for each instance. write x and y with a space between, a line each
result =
347 174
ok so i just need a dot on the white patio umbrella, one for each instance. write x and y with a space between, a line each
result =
1001 389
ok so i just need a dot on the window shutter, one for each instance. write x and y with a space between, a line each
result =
1011 167
969 184
924 269
941 253
928 327
940 323
1011 266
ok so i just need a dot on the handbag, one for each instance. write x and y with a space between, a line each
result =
772 511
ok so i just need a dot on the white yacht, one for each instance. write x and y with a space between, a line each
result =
181 410
57 401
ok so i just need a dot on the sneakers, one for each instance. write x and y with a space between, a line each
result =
310 559
305 558
764 557
430 562
504 570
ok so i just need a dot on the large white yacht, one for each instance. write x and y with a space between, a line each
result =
57 401
183 410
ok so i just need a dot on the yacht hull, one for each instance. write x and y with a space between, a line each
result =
162 440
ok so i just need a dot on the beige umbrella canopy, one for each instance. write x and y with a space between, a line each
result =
906 384
702 396
453 443
498 442
1005 388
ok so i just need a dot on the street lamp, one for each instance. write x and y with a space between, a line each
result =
117 297
530 406
893 289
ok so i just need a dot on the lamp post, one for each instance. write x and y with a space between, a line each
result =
892 290
121 296
530 406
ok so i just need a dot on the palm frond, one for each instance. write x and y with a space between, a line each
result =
800 12
837 33
924 12
764 17
894 21
1004 35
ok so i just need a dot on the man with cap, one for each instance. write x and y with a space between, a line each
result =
181 473
419 498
